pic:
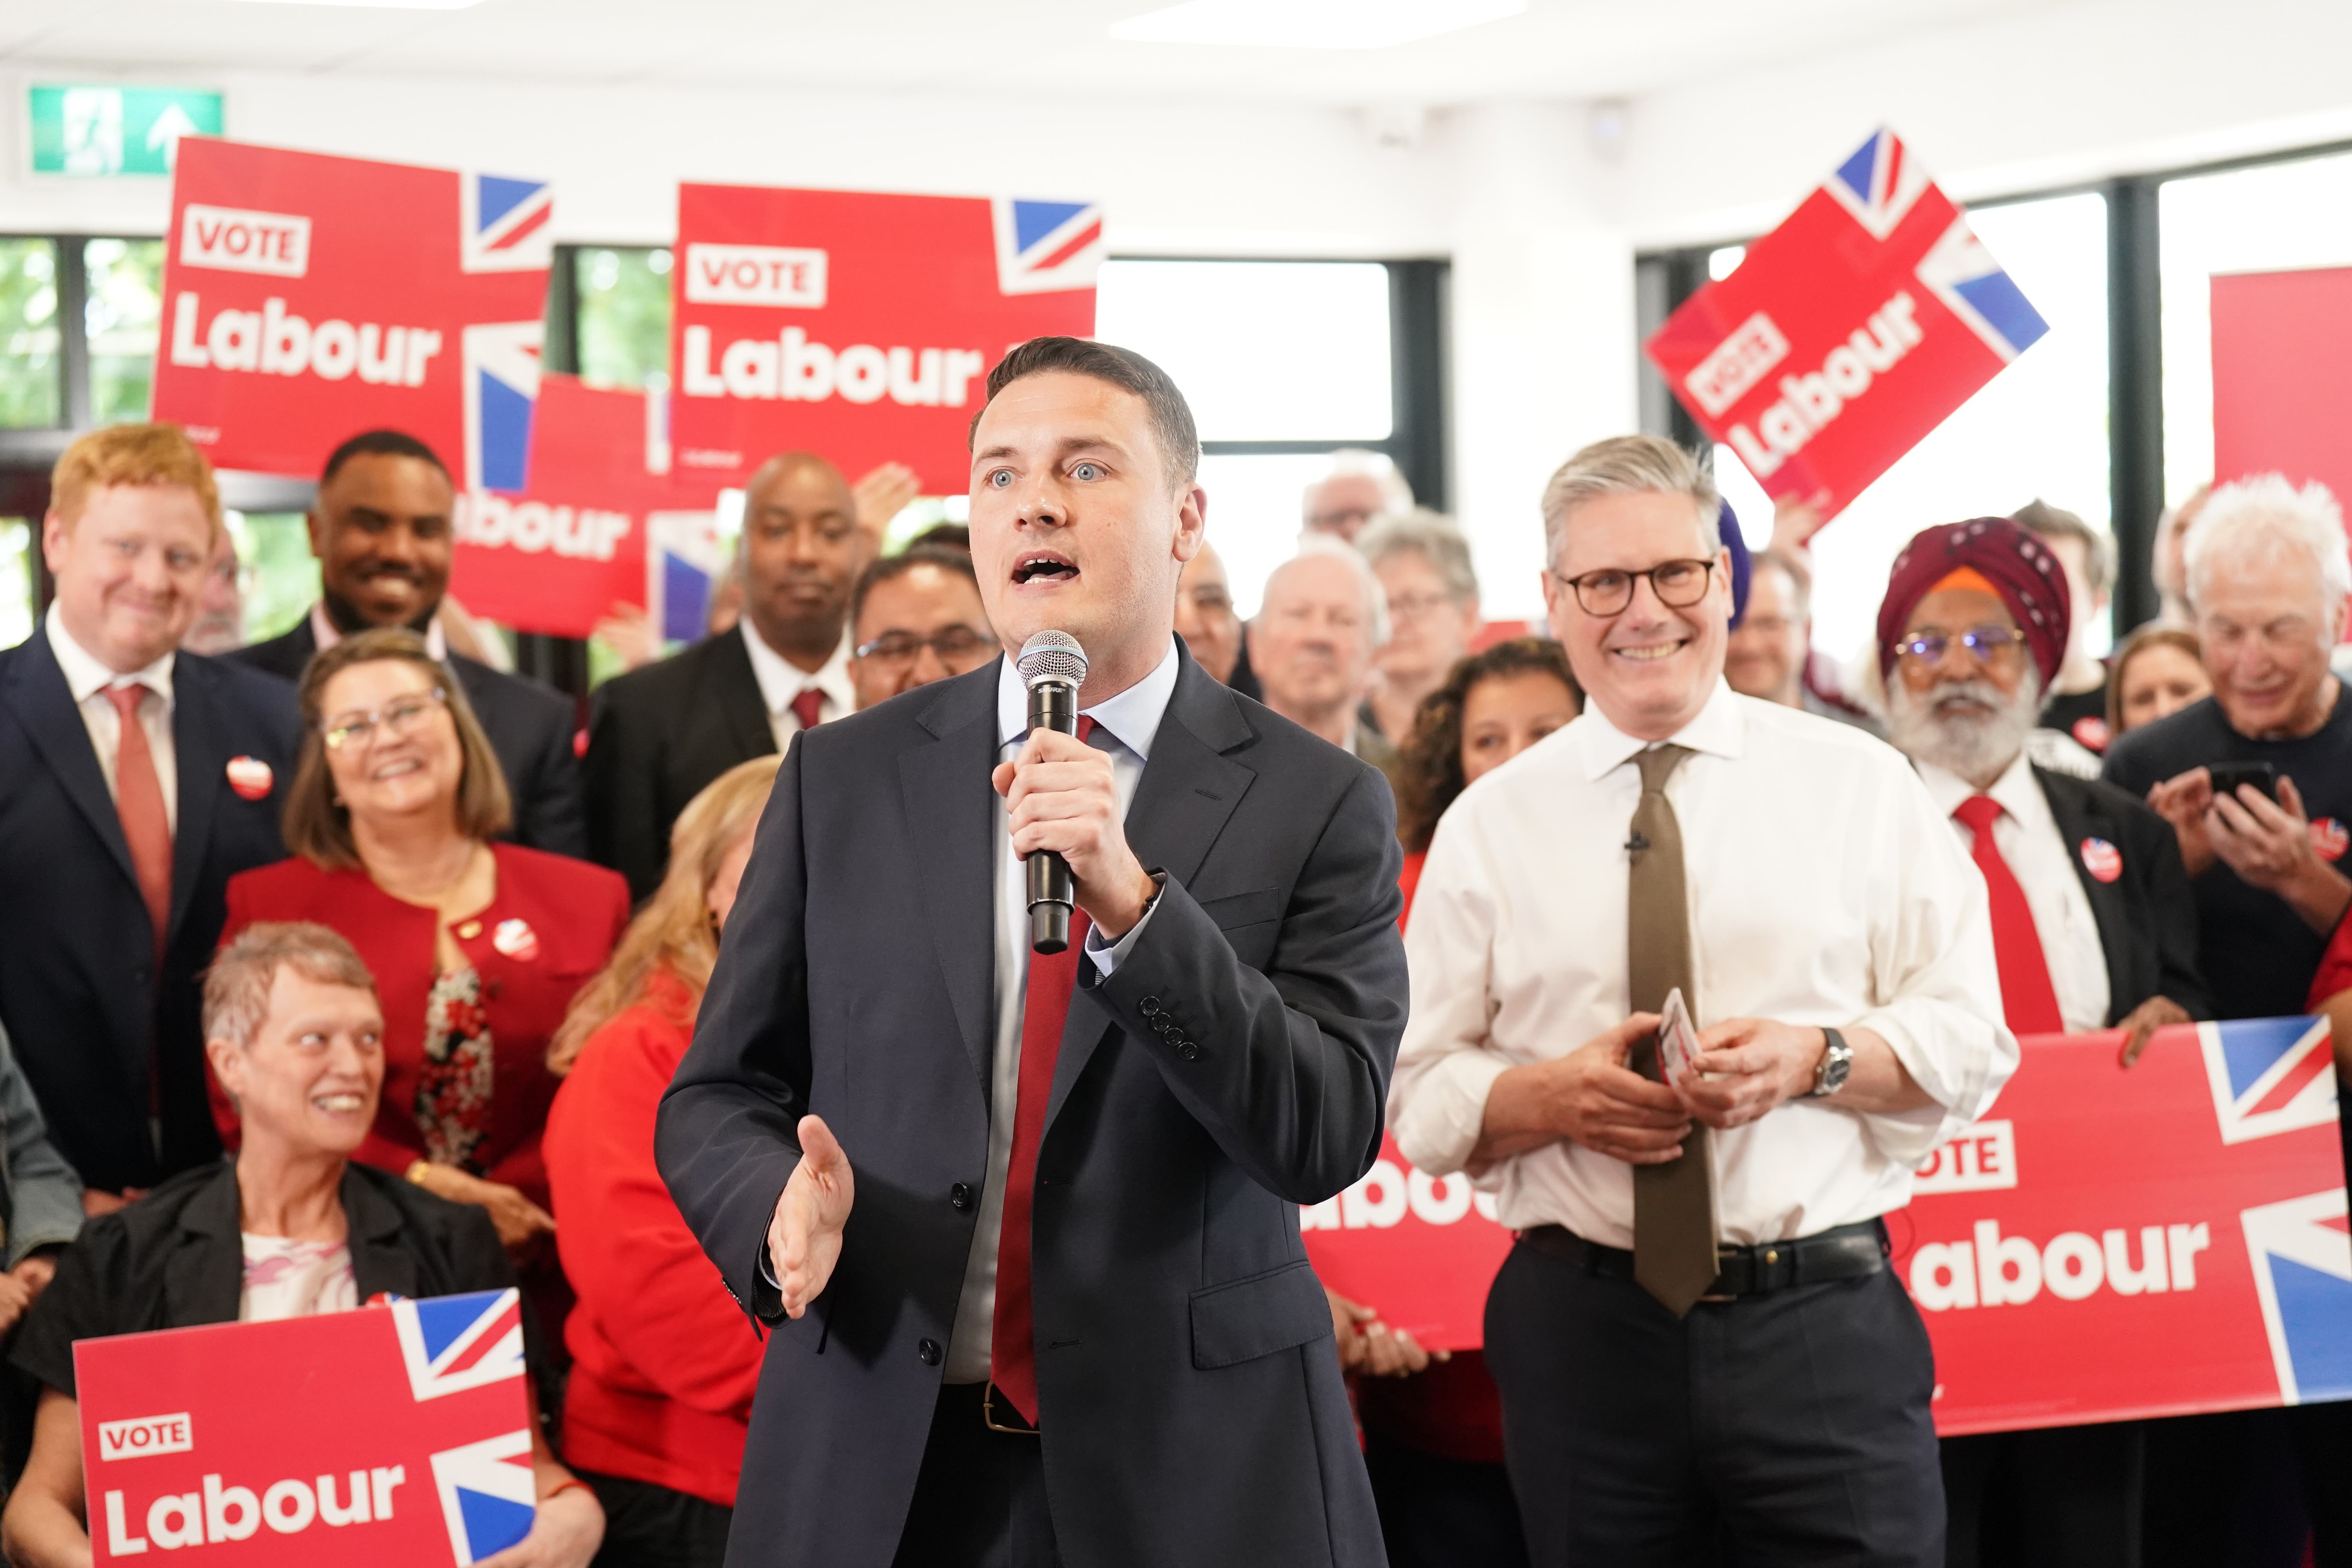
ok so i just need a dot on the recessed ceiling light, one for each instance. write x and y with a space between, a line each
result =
1310 24
381 4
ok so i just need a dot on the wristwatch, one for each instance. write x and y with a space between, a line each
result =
1837 1061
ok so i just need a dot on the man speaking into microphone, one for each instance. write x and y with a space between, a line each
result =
1024 1222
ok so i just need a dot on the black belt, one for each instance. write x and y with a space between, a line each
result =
1850 1252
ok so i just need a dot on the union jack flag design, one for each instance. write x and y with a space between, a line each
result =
506 225
1963 274
503 364
1042 247
2269 1076
488 1497
1878 184
450 1343
2302 1254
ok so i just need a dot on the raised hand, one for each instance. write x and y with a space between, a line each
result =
805 1236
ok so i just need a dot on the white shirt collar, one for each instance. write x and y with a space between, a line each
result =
324 633
1720 727
87 675
781 679
2016 792
1132 717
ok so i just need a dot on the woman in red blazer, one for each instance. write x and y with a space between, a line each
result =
477 947
663 1363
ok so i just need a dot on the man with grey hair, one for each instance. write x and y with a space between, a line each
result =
1698 1203
1361 487
1321 621
1432 589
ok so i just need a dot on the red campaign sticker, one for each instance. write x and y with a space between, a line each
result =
2329 837
2101 859
515 939
2091 732
250 777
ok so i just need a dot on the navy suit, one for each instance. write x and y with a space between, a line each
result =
1234 1067
78 994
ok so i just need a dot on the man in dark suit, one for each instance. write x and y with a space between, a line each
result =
1070 1319
658 734
2094 926
134 782
382 530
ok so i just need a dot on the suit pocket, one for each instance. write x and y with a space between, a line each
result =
1235 911
1246 1319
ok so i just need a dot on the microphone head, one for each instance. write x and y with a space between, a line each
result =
1052 656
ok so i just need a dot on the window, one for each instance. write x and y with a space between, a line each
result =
281 575
124 313
622 323
32 386
16 580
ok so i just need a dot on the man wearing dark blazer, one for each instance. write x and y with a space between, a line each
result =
382 530
2094 926
134 782
1025 1228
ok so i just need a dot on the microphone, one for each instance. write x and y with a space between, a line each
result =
1054 667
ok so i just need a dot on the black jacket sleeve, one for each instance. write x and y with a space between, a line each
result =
550 807
623 787
82 1302
2170 908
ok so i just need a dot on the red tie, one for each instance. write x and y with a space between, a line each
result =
804 707
2028 998
138 801
1013 1340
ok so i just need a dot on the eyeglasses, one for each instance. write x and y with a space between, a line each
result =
1677 583
1988 645
1412 606
958 647
397 718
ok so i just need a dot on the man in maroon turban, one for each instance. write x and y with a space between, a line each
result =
2093 927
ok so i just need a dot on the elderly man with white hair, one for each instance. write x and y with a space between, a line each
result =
1323 618
1363 487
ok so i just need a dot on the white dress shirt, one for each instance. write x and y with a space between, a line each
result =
1130 720
1825 888
780 680
87 677
2028 838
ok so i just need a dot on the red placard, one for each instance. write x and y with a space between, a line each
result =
1422 1248
1847 333
558 557
307 299
858 326
394 1437
2282 376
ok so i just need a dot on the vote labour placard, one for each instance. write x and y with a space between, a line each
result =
1420 1248
307 299
595 527
861 327
1847 333
394 1437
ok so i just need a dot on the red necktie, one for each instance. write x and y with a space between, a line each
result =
805 705
138 801
2028 997
1012 1338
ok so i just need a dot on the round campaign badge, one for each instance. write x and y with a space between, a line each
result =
2091 731
250 777
2101 859
2327 837
516 940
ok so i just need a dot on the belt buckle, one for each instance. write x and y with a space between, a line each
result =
988 1415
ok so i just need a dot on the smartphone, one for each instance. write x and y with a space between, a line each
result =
2228 776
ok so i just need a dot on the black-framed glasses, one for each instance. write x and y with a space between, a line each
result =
1987 645
1678 585
397 718
958 647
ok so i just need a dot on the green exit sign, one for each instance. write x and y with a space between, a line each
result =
103 132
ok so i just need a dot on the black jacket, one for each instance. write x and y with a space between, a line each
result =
2146 916
175 1259
79 995
531 727
655 737
1234 1067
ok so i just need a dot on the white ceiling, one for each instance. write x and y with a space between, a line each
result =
1051 51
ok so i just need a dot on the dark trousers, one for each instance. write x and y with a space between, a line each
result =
2065 1496
1783 1428
649 1526
1437 1513
980 1500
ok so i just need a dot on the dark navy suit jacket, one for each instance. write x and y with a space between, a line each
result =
79 993
1233 1067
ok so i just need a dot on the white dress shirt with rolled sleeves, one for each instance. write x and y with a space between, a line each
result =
1825 890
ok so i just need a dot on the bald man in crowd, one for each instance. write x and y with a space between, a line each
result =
1361 487
1324 618
658 734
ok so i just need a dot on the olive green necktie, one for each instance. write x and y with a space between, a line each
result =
1673 1204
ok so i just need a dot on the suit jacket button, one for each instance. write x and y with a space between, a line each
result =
1150 1006
930 1351
959 1196
1189 1051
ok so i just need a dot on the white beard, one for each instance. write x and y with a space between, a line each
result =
1968 728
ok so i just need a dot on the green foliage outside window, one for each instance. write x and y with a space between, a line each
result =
624 321
125 313
31 388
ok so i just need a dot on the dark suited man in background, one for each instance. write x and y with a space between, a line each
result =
134 782
1027 1229
658 734
917 618
2093 927
381 529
